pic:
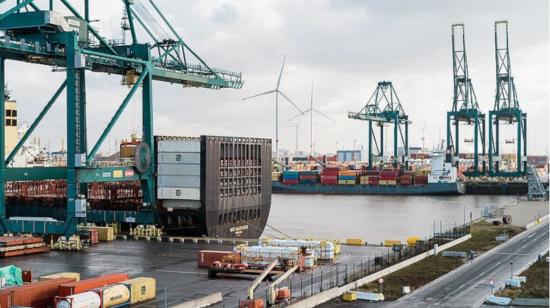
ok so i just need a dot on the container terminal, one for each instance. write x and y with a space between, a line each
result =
173 219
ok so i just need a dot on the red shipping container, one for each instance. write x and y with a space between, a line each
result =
27 275
290 182
420 179
205 258
40 294
373 181
91 283
94 236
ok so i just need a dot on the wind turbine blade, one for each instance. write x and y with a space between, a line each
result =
324 115
290 101
260 94
299 115
281 73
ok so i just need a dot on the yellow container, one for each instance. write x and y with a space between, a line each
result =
355 241
74 275
141 289
411 241
336 247
387 182
392 242
105 234
346 182
114 295
349 296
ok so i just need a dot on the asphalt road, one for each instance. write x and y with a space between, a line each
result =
468 286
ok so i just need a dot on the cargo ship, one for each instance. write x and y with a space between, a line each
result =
441 180
206 186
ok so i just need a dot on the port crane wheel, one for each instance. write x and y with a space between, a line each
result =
142 157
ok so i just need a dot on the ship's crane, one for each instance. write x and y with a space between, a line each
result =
465 106
384 107
506 110
70 43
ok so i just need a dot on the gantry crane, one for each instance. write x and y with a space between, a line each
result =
71 44
465 107
506 110
382 108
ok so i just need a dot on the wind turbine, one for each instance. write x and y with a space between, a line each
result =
297 128
277 92
311 110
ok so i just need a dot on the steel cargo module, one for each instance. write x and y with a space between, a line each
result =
213 186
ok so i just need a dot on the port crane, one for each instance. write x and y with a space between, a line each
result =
72 45
384 107
506 110
465 106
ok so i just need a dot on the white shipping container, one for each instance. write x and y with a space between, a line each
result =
179 193
81 300
179 169
179 146
322 249
179 158
266 254
188 181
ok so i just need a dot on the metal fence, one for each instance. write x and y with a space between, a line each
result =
327 276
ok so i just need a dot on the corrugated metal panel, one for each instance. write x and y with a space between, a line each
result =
182 204
179 158
179 146
180 193
189 181
179 169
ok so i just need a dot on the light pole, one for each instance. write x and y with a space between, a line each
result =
511 270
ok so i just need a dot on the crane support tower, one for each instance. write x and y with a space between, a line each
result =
465 107
382 108
506 110
70 44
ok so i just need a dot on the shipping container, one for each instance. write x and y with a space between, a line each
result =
179 158
74 275
346 182
90 284
179 169
205 258
37 295
192 181
113 295
179 193
192 145
105 234
141 289
87 299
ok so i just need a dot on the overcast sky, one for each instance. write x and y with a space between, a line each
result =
343 47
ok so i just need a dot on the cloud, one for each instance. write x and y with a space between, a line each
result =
344 47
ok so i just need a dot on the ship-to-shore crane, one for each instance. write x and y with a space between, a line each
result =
70 43
384 107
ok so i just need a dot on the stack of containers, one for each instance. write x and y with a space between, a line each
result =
329 176
347 177
291 177
275 176
309 177
38 294
90 284
388 177
179 170
323 250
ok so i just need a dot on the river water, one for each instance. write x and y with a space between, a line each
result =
372 218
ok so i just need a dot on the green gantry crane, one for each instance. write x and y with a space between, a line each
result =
382 108
71 44
506 110
465 107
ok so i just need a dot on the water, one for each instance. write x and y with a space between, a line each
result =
372 218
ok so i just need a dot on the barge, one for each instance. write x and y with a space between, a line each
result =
456 188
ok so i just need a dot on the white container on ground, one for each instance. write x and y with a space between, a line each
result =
81 300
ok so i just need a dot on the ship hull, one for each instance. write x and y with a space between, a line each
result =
427 189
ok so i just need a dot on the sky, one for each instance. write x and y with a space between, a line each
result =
343 47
